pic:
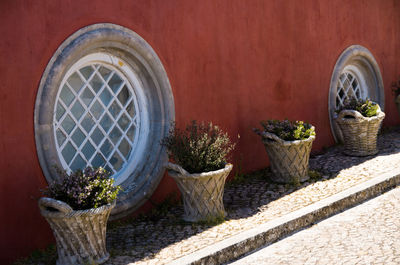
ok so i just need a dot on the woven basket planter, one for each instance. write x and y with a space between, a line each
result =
288 159
201 193
359 133
80 235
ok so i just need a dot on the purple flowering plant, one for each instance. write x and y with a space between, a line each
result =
200 147
90 188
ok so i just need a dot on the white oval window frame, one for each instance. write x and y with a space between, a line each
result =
142 60
129 77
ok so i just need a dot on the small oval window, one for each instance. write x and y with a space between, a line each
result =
356 74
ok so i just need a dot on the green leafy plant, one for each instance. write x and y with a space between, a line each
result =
199 148
287 130
90 188
366 107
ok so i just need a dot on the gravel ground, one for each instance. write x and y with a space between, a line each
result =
162 237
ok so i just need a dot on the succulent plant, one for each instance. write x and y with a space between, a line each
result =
287 130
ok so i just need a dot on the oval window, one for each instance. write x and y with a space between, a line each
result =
105 100
356 74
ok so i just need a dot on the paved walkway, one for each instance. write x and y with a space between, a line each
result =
366 234
165 238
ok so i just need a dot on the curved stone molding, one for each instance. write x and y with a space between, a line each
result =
142 59
361 63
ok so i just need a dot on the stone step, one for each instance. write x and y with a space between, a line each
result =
270 232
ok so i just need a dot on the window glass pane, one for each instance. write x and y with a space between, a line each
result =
131 109
125 148
115 83
131 133
77 110
66 95
78 137
78 163
124 96
114 109
97 136
88 150
68 124
60 111
87 96
104 72
105 97
354 83
60 137
87 122
68 152
75 82
106 122
115 135
96 83
98 161
87 71
106 148
116 161
123 122
97 110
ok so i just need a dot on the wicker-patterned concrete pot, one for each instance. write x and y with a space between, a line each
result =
80 235
288 159
201 193
359 133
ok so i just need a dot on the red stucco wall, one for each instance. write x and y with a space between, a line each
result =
233 62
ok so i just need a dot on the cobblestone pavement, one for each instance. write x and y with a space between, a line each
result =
165 237
366 234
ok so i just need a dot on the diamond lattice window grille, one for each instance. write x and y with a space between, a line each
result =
95 119
347 88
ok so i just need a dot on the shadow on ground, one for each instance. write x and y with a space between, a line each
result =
143 237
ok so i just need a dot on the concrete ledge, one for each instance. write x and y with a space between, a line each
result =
272 231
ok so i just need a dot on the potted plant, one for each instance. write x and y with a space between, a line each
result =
77 209
200 168
396 92
288 145
360 120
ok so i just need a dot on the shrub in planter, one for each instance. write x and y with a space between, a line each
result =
288 145
77 209
360 121
200 168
